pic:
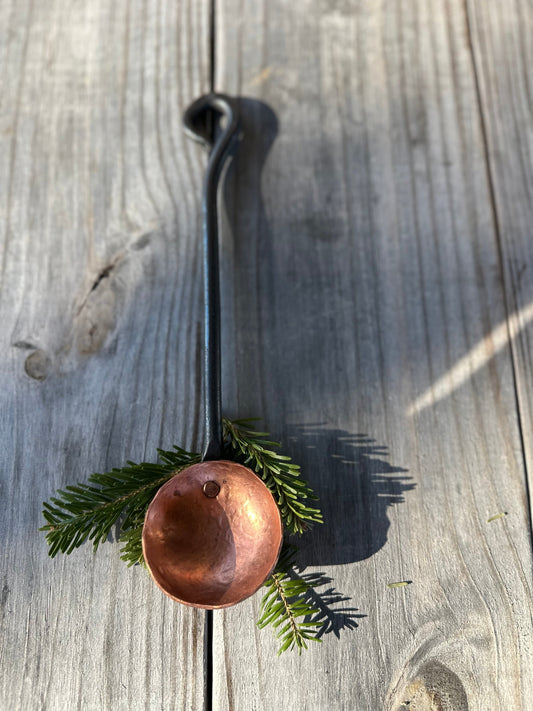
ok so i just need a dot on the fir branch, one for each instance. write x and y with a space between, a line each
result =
277 471
285 606
89 511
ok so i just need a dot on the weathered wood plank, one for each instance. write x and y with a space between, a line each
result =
100 303
503 54
365 266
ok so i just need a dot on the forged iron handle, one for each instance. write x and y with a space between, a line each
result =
199 122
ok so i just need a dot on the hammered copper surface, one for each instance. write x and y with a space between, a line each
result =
212 552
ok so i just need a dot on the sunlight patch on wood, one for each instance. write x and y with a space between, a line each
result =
473 361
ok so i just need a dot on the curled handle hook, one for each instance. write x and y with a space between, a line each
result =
199 123
197 120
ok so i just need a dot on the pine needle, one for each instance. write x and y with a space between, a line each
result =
497 516
132 551
399 584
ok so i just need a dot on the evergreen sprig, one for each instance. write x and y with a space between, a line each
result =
278 472
89 511
286 607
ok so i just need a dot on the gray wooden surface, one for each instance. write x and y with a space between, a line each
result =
377 286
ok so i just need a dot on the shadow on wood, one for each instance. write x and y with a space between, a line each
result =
332 618
356 485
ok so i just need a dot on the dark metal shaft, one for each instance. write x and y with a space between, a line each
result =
212 119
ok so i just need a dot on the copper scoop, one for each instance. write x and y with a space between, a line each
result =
212 534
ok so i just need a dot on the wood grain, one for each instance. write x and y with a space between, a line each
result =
502 51
100 305
365 266
375 261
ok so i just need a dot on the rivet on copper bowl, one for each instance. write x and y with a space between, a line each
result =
212 535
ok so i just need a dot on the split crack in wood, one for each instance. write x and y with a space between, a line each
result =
104 273
95 316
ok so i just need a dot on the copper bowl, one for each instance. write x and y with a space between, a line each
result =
212 535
